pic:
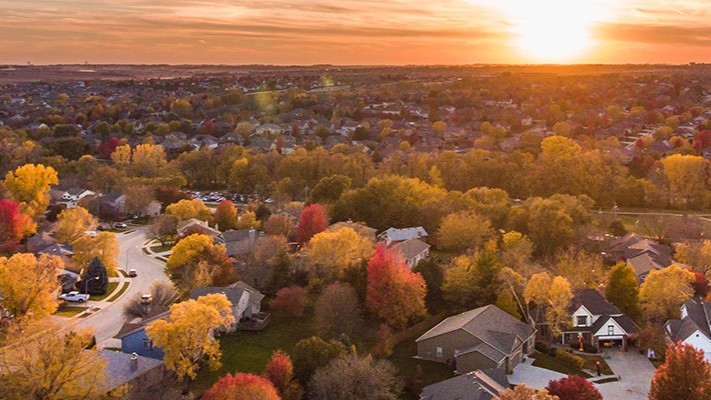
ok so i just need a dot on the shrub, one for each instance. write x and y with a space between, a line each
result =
570 358
587 347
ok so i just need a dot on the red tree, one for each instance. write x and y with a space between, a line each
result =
169 195
684 375
291 301
107 147
12 222
700 284
573 387
241 387
394 293
280 372
225 215
313 220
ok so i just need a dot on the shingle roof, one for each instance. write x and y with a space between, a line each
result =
475 385
489 324
593 301
118 367
698 318
622 320
398 235
233 292
644 263
410 248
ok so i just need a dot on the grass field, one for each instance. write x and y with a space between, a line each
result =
69 311
109 291
417 373
160 249
553 364
120 292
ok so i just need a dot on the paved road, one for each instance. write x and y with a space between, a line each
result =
636 372
107 322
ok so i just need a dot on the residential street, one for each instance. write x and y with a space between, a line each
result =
107 322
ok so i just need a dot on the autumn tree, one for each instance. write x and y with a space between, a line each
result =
516 249
225 216
338 311
313 353
470 280
104 246
331 252
523 392
664 291
73 223
686 178
165 226
197 261
248 220
553 294
573 387
463 231
291 301
186 209
148 160
394 293
695 254
313 220
330 188
241 387
186 336
582 269
137 199
280 373
29 186
29 285
279 225
354 377
14 224
684 375
53 367
623 290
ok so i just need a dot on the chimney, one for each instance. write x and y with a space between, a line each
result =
252 234
134 361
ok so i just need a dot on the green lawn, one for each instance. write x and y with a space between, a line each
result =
124 273
69 311
120 292
417 373
250 351
109 291
590 361
553 364
160 249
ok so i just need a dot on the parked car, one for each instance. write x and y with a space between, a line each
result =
121 225
74 296
146 298
132 273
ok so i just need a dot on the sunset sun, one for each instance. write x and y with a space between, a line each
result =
553 30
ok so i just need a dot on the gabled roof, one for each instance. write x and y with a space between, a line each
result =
398 235
475 385
119 370
593 301
129 328
233 292
623 321
238 235
410 248
645 263
488 324
698 318
621 244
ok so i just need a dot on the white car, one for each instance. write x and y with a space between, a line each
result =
121 225
74 296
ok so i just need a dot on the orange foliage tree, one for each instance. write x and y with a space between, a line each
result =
241 387
684 375
313 220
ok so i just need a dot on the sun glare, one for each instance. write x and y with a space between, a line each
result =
554 30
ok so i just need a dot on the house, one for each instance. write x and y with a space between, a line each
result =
595 321
413 251
694 327
72 196
40 241
392 235
361 229
484 338
135 340
475 385
240 242
644 255
194 225
136 371
246 304
151 210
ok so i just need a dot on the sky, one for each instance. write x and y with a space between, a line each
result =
354 32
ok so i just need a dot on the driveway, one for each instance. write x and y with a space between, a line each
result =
636 372
107 322
534 377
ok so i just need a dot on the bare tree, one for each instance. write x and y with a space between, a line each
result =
163 295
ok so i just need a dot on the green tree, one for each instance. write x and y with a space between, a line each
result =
313 353
623 290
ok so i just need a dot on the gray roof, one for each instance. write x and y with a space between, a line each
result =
410 248
489 324
238 236
698 318
475 385
119 371
646 262
398 235
593 301
233 292
622 320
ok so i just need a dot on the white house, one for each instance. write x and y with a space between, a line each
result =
694 327
596 321
71 197
392 235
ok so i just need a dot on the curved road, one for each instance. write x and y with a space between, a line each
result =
108 321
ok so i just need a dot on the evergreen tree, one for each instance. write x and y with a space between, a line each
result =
95 280
623 290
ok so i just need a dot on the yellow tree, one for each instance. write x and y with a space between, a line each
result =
331 252
148 160
187 337
248 220
122 156
686 178
53 367
73 223
186 209
29 185
104 245
464 231
197 261
29 285
523 392
553 295
664 291
697 255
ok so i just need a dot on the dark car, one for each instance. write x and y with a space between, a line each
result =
132 273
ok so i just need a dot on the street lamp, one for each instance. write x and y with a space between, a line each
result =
86 284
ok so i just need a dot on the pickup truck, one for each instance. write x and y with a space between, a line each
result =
74 296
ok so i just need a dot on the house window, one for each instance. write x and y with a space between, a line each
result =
148 344
439 352
610 330
582 320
